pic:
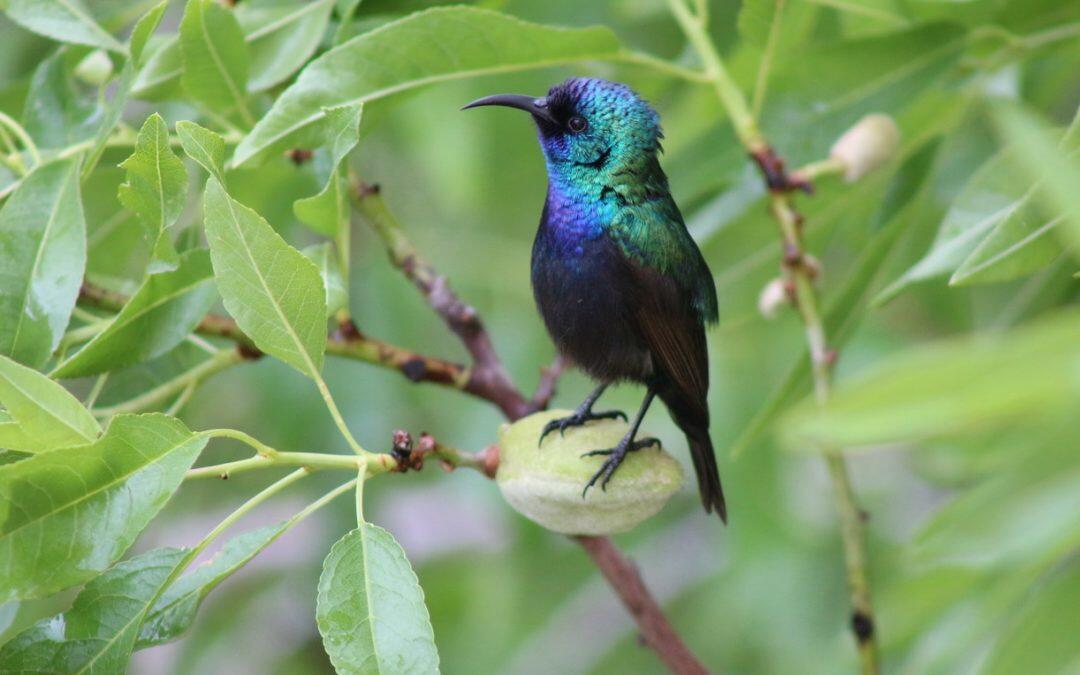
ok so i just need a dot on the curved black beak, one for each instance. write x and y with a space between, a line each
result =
537 107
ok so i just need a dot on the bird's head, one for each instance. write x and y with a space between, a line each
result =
589 123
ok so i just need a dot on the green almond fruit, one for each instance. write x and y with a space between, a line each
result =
545 483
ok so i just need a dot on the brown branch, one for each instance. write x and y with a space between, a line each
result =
488 378
549 378
656 631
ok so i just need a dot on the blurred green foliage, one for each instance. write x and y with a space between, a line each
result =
968 463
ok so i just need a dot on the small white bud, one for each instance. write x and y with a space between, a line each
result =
866 146
95 68
773 296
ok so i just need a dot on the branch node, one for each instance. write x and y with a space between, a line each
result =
777 179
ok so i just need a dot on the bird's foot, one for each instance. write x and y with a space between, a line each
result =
578 419
615 457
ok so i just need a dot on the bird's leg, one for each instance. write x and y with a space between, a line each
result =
583 414
616 455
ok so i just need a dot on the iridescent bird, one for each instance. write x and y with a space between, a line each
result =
622 287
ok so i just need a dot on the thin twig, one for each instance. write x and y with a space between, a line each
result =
487 377
799 275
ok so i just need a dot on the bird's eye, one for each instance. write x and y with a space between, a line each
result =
577 124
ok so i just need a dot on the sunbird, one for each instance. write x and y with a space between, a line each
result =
621 285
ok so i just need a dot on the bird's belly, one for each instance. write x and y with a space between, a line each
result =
588 317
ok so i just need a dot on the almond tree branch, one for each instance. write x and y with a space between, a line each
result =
487 377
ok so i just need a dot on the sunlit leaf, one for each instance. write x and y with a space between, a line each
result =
371 611
164 311
97 635
275 293
68 514
431 46
42 258
47 415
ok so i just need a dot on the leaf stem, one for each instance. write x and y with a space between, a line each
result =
24 138
335 413
220 361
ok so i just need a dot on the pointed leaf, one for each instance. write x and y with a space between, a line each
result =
371 611
97 635
275 294
163 312
430 46
46 414
156 187
215 57
282 36
68 514
204 146
175 610
144 29
42 258
63 20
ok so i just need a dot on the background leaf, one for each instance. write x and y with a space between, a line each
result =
47 415
56 114
275 294
216 58
63 20
67 515
371 610
329 210
325 258
164 311
438 44
42 258
281 36
206 147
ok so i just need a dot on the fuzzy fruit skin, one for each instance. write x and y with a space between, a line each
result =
544 484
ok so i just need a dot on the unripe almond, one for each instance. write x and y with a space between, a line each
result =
545 483
95 68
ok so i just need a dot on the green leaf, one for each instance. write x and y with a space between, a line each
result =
325 258
63 20
46 414
13 438
1043 159
1040 636
431 46
282 37
66 515
1016 247
159 74
42 258
56 114
144 29
371 611
1025 374
328 210
204 146
175 610
156 187
163 312
991 195
1018 517
97 635
275 294
215 57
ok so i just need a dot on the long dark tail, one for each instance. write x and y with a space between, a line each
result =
694 421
